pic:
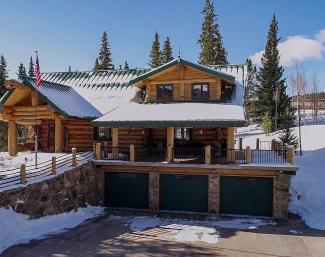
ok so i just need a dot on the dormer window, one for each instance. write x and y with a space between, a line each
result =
165 93
200 92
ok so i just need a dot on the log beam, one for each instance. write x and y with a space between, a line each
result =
58 135
170 144
12 138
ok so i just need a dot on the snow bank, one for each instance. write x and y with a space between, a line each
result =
307 188
16 228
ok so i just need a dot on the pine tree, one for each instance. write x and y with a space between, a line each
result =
250 92
167 53
21 70
104 60
3 125
287 135
31 68
271 90
211 41
155 53
267 124
126 66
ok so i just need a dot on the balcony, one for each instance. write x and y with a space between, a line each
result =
204 155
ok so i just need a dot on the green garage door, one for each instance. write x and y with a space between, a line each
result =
128 190
246 196
184 193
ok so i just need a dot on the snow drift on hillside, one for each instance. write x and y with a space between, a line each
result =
307 188
16 228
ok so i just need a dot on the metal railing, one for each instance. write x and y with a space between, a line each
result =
228 156
150 154
115 153
188 155
269 156
10 178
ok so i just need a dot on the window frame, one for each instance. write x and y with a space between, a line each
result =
164 98
184 137
200 97
102 138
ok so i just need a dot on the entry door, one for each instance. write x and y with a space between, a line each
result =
51 136
246 196
184 192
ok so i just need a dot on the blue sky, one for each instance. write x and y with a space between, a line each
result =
68 32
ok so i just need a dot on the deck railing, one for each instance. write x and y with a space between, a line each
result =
199 155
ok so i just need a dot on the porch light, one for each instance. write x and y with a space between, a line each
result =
129 131
143 132
201 132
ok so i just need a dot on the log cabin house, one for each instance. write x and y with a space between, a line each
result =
164 138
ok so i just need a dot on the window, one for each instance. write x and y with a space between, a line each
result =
102 133
183 134
165 93
200 92
226 92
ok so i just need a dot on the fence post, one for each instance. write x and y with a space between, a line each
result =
74 157
291 154
248 155
53 165
98 151
257 143
132 153
169 154
23 179
207 154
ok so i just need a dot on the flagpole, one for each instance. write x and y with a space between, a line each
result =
36 127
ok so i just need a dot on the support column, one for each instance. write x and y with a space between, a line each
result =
170 144
58 135
214 194
154 191
115 143
12 138
281 196
230 144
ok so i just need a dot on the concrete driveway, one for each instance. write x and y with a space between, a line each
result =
115 236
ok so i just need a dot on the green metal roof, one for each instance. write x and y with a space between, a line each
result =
176 61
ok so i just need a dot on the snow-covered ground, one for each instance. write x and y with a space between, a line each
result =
189 230
16 228
307 188
10 167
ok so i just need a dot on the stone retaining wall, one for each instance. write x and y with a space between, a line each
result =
67 191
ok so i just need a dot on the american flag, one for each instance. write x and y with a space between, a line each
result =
38 73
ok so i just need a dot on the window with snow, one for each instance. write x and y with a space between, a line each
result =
102 133
183 134
165 93
200 92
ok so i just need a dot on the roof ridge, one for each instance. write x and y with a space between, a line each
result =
88 71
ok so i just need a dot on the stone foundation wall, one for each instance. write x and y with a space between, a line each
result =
62 193
214 193
154 191
281 196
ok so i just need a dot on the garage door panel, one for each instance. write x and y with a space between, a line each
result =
184 192
128 190
246 196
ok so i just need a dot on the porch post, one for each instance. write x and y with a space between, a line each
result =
58 135
12 138
115 143
230 144
170 144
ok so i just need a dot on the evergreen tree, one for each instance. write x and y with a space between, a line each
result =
21 70
155 53
287 135
271 90
267 124
250 91
104 60
3 74
3 125
211 42
167 53
31 68
126 66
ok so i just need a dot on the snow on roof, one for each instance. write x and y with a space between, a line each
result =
177 114
64 99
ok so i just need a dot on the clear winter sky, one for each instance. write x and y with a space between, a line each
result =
68 32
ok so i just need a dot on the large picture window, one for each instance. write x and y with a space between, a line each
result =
165 93
183 134
102 133
200 92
